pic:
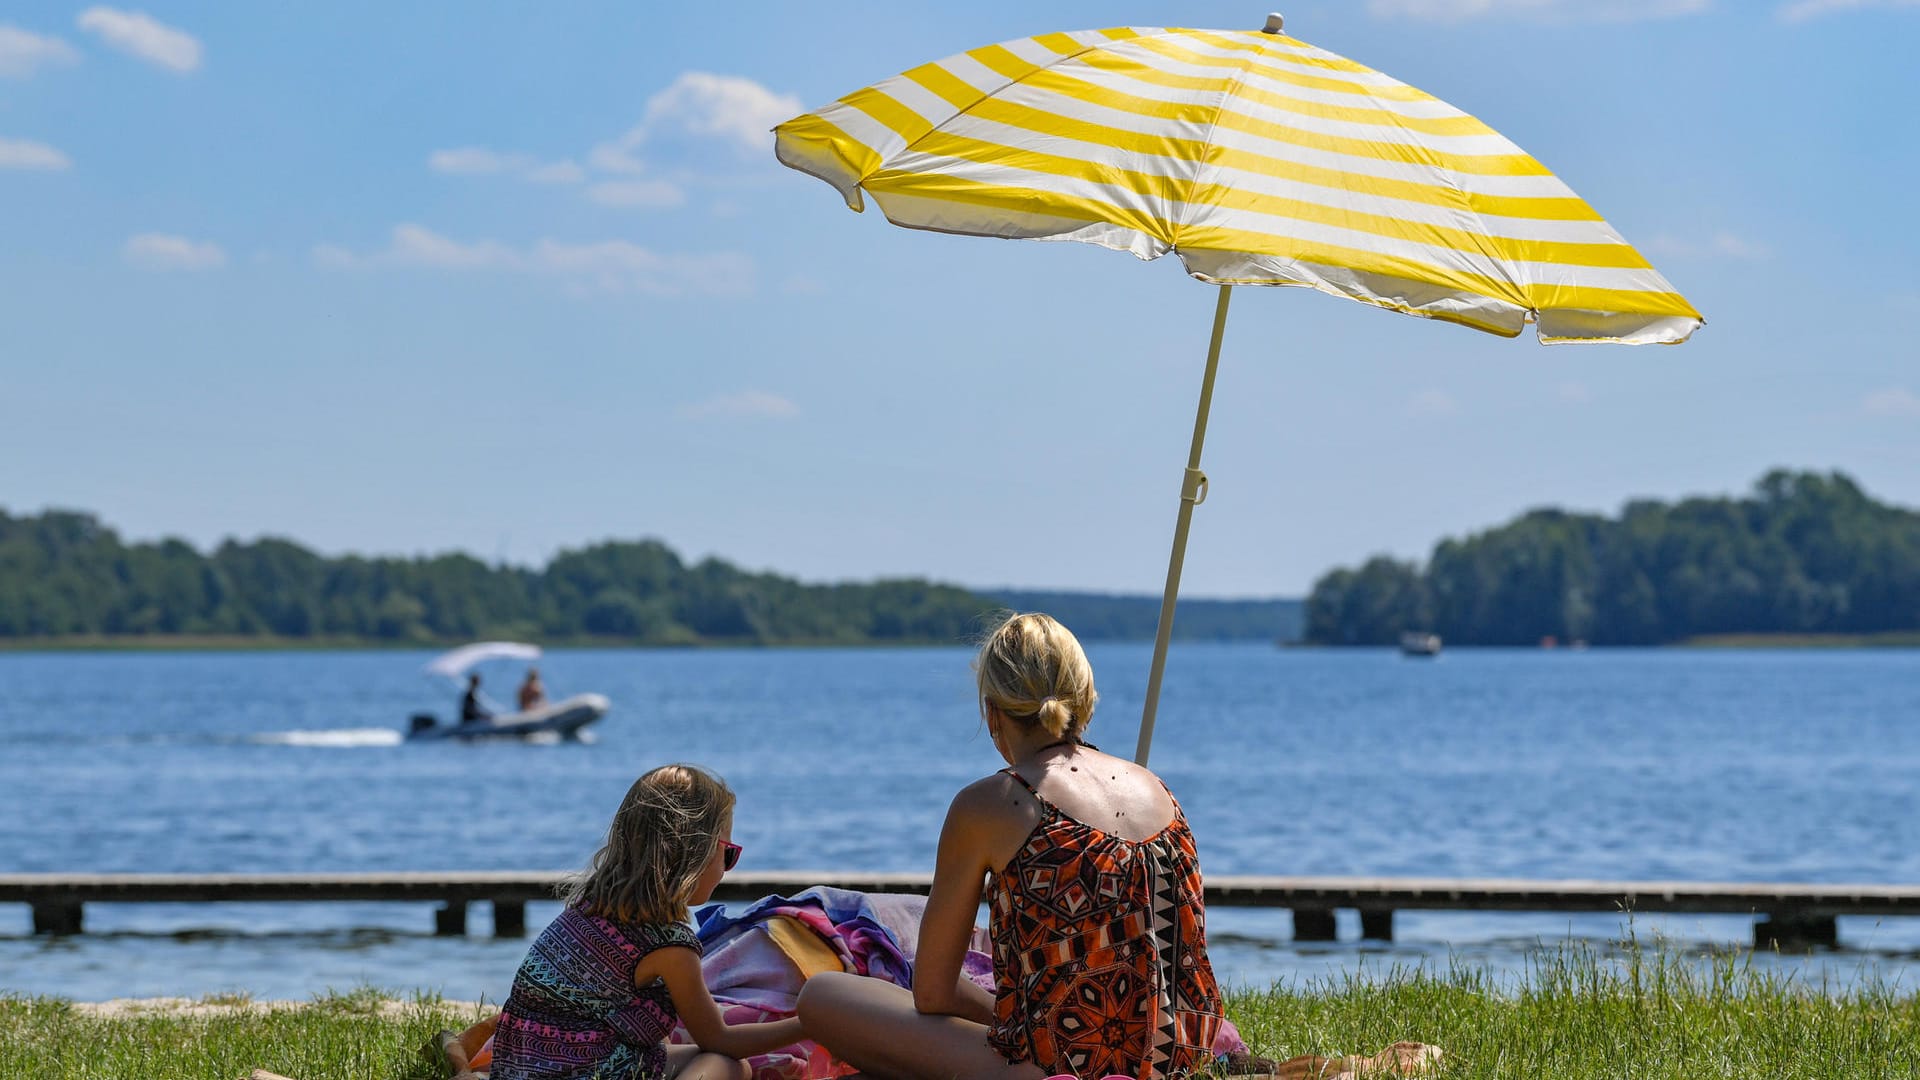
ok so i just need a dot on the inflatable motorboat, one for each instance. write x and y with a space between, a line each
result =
563 718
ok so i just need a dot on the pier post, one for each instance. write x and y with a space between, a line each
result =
509 918
451 919
1796 932
1376 924
1313 924
56 917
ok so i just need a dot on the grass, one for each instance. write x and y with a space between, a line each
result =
1648 1015
1653 1014
362 1035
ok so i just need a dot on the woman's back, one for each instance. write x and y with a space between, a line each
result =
1098 926
1111 794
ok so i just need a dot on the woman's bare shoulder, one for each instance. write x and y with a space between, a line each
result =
990 793
997 803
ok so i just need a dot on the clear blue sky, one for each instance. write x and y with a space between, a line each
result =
506 278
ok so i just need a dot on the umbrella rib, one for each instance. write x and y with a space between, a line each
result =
1206 154
985 94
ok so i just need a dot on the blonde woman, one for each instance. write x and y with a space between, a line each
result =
1093 886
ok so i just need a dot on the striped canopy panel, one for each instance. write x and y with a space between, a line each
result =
1255 157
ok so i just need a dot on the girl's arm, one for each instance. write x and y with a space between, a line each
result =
961 867
679 967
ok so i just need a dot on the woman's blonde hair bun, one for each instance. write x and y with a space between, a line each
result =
1055 716
1032 669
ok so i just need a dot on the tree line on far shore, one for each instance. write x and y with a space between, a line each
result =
65 576
1804 553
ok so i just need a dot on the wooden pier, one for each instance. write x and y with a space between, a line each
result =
1789 915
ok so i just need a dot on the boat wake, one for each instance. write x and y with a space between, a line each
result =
345 738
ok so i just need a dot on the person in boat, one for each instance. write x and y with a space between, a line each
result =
533 693
1095 906
471 710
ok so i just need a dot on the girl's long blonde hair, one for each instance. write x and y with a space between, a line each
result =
1032 669
658 845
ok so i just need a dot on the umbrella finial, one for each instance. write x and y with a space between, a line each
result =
1274 22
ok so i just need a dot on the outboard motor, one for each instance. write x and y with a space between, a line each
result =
420 722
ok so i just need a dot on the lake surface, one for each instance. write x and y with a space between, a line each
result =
1705 765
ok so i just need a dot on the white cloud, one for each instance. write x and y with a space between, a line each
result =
1802 10
726 110
480 161
1893 401
141 35
1574 393
21 154
558 172
647 193
606 265
22 52
1721 245
1738 247
756 403
725 107
159 251
1537 10
1432 403
476 161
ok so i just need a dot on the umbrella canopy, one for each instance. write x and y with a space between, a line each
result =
455 663
1258 159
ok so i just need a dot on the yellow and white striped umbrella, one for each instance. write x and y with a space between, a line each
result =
1256 158
1259 160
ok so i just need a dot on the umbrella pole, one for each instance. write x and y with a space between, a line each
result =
1193 492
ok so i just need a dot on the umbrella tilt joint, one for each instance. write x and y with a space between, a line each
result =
1194 489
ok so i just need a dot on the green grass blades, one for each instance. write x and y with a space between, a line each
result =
1645 1015
1577 1013
362 1035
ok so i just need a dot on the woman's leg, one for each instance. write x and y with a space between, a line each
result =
871 1024
688 1062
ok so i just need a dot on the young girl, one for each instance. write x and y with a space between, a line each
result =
603 984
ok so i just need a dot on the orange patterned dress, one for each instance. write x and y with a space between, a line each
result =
1100 951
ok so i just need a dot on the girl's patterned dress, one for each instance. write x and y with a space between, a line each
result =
1100 952
574 1013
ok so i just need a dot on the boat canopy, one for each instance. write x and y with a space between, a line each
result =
455 664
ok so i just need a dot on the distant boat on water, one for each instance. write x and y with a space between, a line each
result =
562 719
1414 643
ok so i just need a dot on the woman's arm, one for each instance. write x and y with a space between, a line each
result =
959 871
680 968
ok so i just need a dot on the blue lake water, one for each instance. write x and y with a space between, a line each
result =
1669 764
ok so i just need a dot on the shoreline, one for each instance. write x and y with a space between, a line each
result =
218 1005
195 643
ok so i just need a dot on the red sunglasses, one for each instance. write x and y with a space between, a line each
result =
731 856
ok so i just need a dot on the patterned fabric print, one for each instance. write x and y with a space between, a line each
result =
1099 952
574 1013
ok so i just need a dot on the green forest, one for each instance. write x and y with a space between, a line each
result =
66 577
1805 553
